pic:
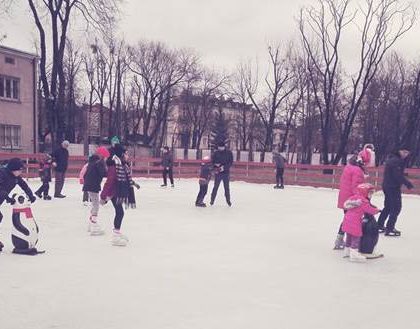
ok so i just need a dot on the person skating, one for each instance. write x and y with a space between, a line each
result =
45 174
95 172
167 164
60 163
119 189
222 161
356 207
279 161
10 176
393 180
205 176
353 174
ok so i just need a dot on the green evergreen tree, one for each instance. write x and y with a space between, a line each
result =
219 131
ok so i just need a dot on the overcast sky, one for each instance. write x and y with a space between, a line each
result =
223 32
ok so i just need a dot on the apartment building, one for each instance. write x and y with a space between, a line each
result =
18 101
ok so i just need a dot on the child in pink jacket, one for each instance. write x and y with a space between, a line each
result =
357 205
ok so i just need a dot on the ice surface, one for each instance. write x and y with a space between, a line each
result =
265 263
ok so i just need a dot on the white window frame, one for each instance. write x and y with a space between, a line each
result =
12 80
10 136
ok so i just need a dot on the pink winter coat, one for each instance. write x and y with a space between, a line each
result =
352 176
352 223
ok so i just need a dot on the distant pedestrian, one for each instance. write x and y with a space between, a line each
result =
279 161
203 181
167 164
60 163
393 180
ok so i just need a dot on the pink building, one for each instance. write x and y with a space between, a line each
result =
18 101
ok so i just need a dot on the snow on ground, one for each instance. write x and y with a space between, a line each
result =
265 263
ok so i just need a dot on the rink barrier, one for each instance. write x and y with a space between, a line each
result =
326 176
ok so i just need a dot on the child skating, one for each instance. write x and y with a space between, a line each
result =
92 179
356 206
45 174
205 176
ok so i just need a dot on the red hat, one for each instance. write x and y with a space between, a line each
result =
365 188
103 152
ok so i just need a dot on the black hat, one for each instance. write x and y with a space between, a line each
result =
14 164
221 144
119 150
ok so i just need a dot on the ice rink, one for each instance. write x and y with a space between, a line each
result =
265 263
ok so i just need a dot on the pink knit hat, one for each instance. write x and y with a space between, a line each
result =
103 152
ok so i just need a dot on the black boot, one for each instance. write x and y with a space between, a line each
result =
38 194
47 197
1 246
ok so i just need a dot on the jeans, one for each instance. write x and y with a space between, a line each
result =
45 187
279 176
165 174
94 198
392 208
223 176
202 194
59 182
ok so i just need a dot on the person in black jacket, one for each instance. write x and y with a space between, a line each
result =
167 164
222 161
95 172
10 176
393 180
60 163
205 176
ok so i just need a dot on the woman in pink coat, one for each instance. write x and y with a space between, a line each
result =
353 174
357 205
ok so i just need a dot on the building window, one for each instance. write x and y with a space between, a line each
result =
9 88
9 60
10 136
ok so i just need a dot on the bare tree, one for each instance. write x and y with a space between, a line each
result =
280 84
52 19
385 21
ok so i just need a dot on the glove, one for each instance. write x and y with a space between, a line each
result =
32 199
12 201
410 186
137 186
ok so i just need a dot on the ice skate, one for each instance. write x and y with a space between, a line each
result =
86 203
163 185
356 256
201 204
172 185
47 197
346 252
1 246
381 229
38 194
339 242
276 187
95 229
393 232
119 239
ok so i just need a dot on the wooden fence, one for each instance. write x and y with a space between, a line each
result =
253 172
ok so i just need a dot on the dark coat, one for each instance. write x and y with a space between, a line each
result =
95 172
205 173
61 158
167 160
394 173
222 160
8 181
279 160
45 171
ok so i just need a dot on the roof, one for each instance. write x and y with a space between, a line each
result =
17 52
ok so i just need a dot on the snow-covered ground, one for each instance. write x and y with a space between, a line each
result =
265 263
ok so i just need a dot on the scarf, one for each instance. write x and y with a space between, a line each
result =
125 191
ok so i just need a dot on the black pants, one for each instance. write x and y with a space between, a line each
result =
223 176
119 213
340 230
279 176
45 187
202 194
59 182
165 175
85 196
392 208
